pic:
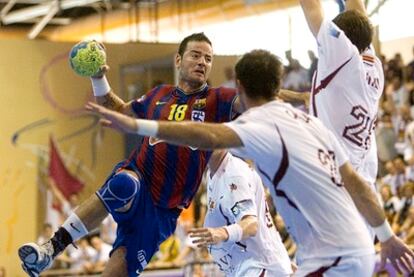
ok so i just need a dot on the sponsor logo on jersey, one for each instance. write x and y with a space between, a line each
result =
198 116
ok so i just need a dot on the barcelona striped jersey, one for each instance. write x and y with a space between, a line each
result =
172 172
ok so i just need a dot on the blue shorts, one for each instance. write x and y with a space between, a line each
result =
145 230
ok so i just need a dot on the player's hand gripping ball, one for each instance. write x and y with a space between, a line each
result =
87 58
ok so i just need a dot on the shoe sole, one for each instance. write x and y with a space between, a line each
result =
28 271
29 255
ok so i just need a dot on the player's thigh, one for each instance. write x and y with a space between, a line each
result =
117 265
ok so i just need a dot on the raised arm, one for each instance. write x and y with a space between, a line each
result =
313 13
355 5
392 248
202 135
293 96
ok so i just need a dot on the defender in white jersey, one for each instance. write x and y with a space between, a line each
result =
349 81
314 187
237 205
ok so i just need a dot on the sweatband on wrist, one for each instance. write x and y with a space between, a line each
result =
235 232
384 231
75 227
100 86
148 128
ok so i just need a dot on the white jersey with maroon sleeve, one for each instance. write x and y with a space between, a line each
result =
345 94
298 159
235 191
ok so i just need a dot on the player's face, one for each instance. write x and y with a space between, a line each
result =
194 65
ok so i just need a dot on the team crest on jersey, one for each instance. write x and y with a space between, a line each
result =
200 104
233 187
198 116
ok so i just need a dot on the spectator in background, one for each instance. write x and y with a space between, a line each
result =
409 170
297 78
101 257
407 199
397 92
390 202
313 65
401 175
61 207
289 58
410 69
230 78
108 230
407 228
400 125
82 257
168 252
386 140
393 179
47 233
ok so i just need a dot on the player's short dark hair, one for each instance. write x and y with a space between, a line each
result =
356 27
260 73
194 37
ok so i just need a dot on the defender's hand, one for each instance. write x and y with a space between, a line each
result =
398 253
208 236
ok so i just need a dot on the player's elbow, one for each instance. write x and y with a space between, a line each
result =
252 227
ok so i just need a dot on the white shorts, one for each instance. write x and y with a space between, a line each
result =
260 272
361 266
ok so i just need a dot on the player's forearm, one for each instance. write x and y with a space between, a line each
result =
111 101
206 136
244 229
313 14
105 96
355 5
364 198
292 96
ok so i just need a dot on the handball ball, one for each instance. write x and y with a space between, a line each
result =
87 57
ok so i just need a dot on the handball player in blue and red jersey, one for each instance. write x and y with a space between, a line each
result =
146 193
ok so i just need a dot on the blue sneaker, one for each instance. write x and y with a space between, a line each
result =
36 258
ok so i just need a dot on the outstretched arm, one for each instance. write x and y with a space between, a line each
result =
293 96
247 227
202 135
314 14
392 248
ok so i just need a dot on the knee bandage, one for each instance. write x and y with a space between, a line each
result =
120 194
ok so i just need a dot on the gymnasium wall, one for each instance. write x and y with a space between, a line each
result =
42 97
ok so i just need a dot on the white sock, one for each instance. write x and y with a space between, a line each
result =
75 227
